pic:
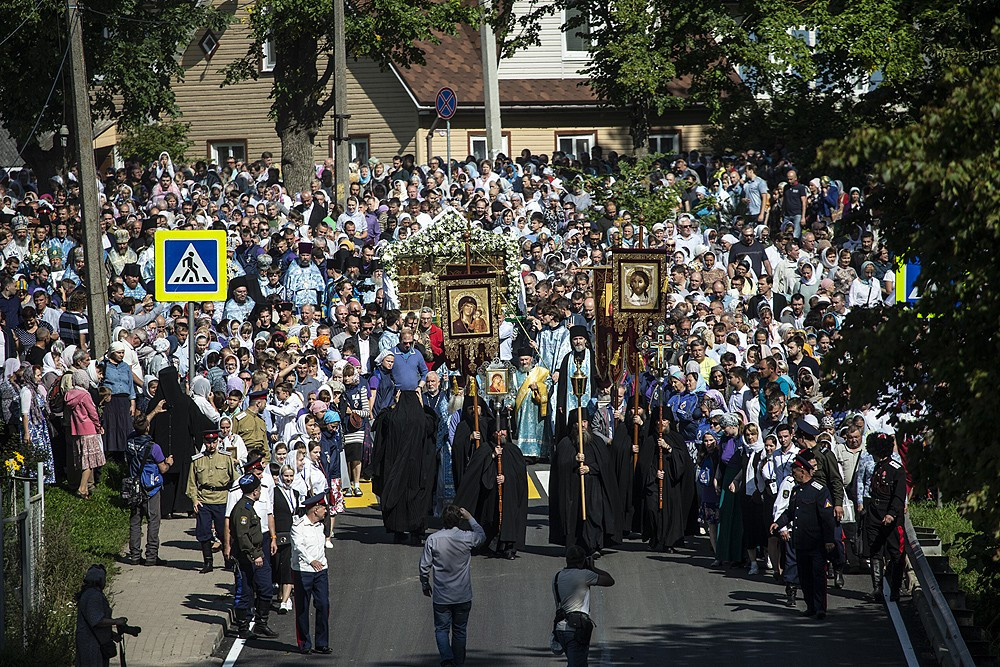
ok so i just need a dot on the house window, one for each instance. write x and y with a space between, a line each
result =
668 143
576 38
220 151
359 149
267 60
574 144
477 145
208 44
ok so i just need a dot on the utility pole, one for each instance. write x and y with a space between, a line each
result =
342 153
93 246
491 89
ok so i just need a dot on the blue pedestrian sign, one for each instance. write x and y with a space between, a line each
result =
190 265
446 103
906 278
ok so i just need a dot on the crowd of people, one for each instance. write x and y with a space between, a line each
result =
309 378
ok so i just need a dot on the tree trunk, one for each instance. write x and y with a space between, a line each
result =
639 130
299 109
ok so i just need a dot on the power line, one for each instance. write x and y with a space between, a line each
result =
48 98
122 18
21 24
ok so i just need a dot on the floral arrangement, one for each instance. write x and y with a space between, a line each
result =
14 463
445 238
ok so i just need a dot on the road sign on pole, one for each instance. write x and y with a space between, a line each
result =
446 103
906 278
190 265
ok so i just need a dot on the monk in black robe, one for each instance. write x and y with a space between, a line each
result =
479 493
463 445
667 459
629 477
403 465
596 467
178 432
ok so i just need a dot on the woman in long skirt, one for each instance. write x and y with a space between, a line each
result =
729 539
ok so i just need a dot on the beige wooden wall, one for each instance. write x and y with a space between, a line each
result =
380 107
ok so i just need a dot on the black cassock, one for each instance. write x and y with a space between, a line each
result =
603 502
629 477
463 446
403 463
179 432
665 528
478 493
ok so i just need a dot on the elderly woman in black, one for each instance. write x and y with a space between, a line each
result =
95 640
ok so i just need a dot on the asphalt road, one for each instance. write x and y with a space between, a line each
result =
664 609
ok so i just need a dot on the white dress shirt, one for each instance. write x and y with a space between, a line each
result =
308 544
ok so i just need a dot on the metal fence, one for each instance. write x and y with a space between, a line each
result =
26 512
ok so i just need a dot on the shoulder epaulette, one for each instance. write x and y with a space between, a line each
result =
895 464
817 485
197 456
240 415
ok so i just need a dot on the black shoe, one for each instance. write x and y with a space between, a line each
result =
150 562
399 537
838 580
820 615
262 630
305 651
510 554
325 650
134 560
206 568
876 597
245 632
790 596
597 554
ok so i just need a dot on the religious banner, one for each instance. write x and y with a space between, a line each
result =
470 319
639 278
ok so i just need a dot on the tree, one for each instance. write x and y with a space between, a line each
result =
145 143
131 50
935 200
385 31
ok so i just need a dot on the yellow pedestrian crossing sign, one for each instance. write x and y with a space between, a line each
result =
190 265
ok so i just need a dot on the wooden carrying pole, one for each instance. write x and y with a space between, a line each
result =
635 411
659 459
579 431
500 473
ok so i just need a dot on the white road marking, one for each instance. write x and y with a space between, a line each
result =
543 481
234 652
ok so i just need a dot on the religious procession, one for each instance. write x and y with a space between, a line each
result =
445 353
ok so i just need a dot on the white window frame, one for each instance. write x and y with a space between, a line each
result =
481 139
267 58
568 53
660 137
591 140
354 143
226 147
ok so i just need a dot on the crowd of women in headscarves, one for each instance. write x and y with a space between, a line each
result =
764 268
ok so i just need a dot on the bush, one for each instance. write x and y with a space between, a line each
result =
77 533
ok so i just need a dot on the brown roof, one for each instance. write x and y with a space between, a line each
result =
457 62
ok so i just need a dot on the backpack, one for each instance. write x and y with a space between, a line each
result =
134 492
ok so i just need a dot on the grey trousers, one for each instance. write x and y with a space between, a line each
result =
151 511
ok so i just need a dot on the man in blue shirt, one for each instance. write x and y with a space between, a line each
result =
410 369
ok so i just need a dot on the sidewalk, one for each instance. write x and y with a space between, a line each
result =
183 614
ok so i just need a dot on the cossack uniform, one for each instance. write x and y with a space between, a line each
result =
212 475
883 519
252 428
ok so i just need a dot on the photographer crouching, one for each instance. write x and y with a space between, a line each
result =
95 636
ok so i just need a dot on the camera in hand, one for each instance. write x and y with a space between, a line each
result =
133 630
